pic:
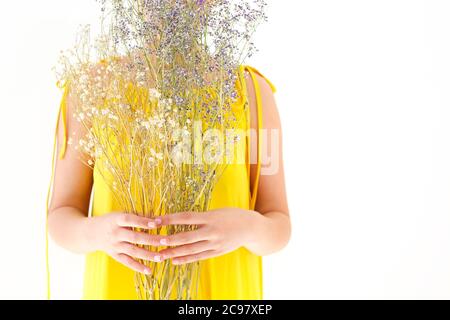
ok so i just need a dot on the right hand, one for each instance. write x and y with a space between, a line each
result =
113 234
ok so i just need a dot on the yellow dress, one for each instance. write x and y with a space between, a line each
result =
236 275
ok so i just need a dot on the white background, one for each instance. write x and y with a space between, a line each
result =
364 95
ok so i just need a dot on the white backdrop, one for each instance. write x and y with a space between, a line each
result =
364 95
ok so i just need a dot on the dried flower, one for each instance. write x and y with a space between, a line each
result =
147 91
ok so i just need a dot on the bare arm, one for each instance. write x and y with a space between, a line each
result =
273 227
71 192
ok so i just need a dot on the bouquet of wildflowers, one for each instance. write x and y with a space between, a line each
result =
154 93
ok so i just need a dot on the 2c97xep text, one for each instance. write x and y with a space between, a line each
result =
226 310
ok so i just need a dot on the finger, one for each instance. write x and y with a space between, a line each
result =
187 250
132 264
183 238
141 238
183 218
195 257
140 253
134 221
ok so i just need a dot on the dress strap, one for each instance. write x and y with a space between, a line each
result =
259 111
62 116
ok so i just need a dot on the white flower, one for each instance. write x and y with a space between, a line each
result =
154 93
186 133
156 155
113 117
172 123
146 124
84 78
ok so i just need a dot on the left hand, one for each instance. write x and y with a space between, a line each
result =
219 232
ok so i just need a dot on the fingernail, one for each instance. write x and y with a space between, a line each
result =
164 242
147 271
157 259
151 225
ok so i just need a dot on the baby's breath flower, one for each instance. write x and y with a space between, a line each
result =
154 93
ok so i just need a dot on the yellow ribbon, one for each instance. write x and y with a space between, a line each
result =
62 116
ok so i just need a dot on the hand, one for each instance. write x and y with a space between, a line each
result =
219 232
113 235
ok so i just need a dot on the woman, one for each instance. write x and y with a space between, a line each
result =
230 242
248 216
